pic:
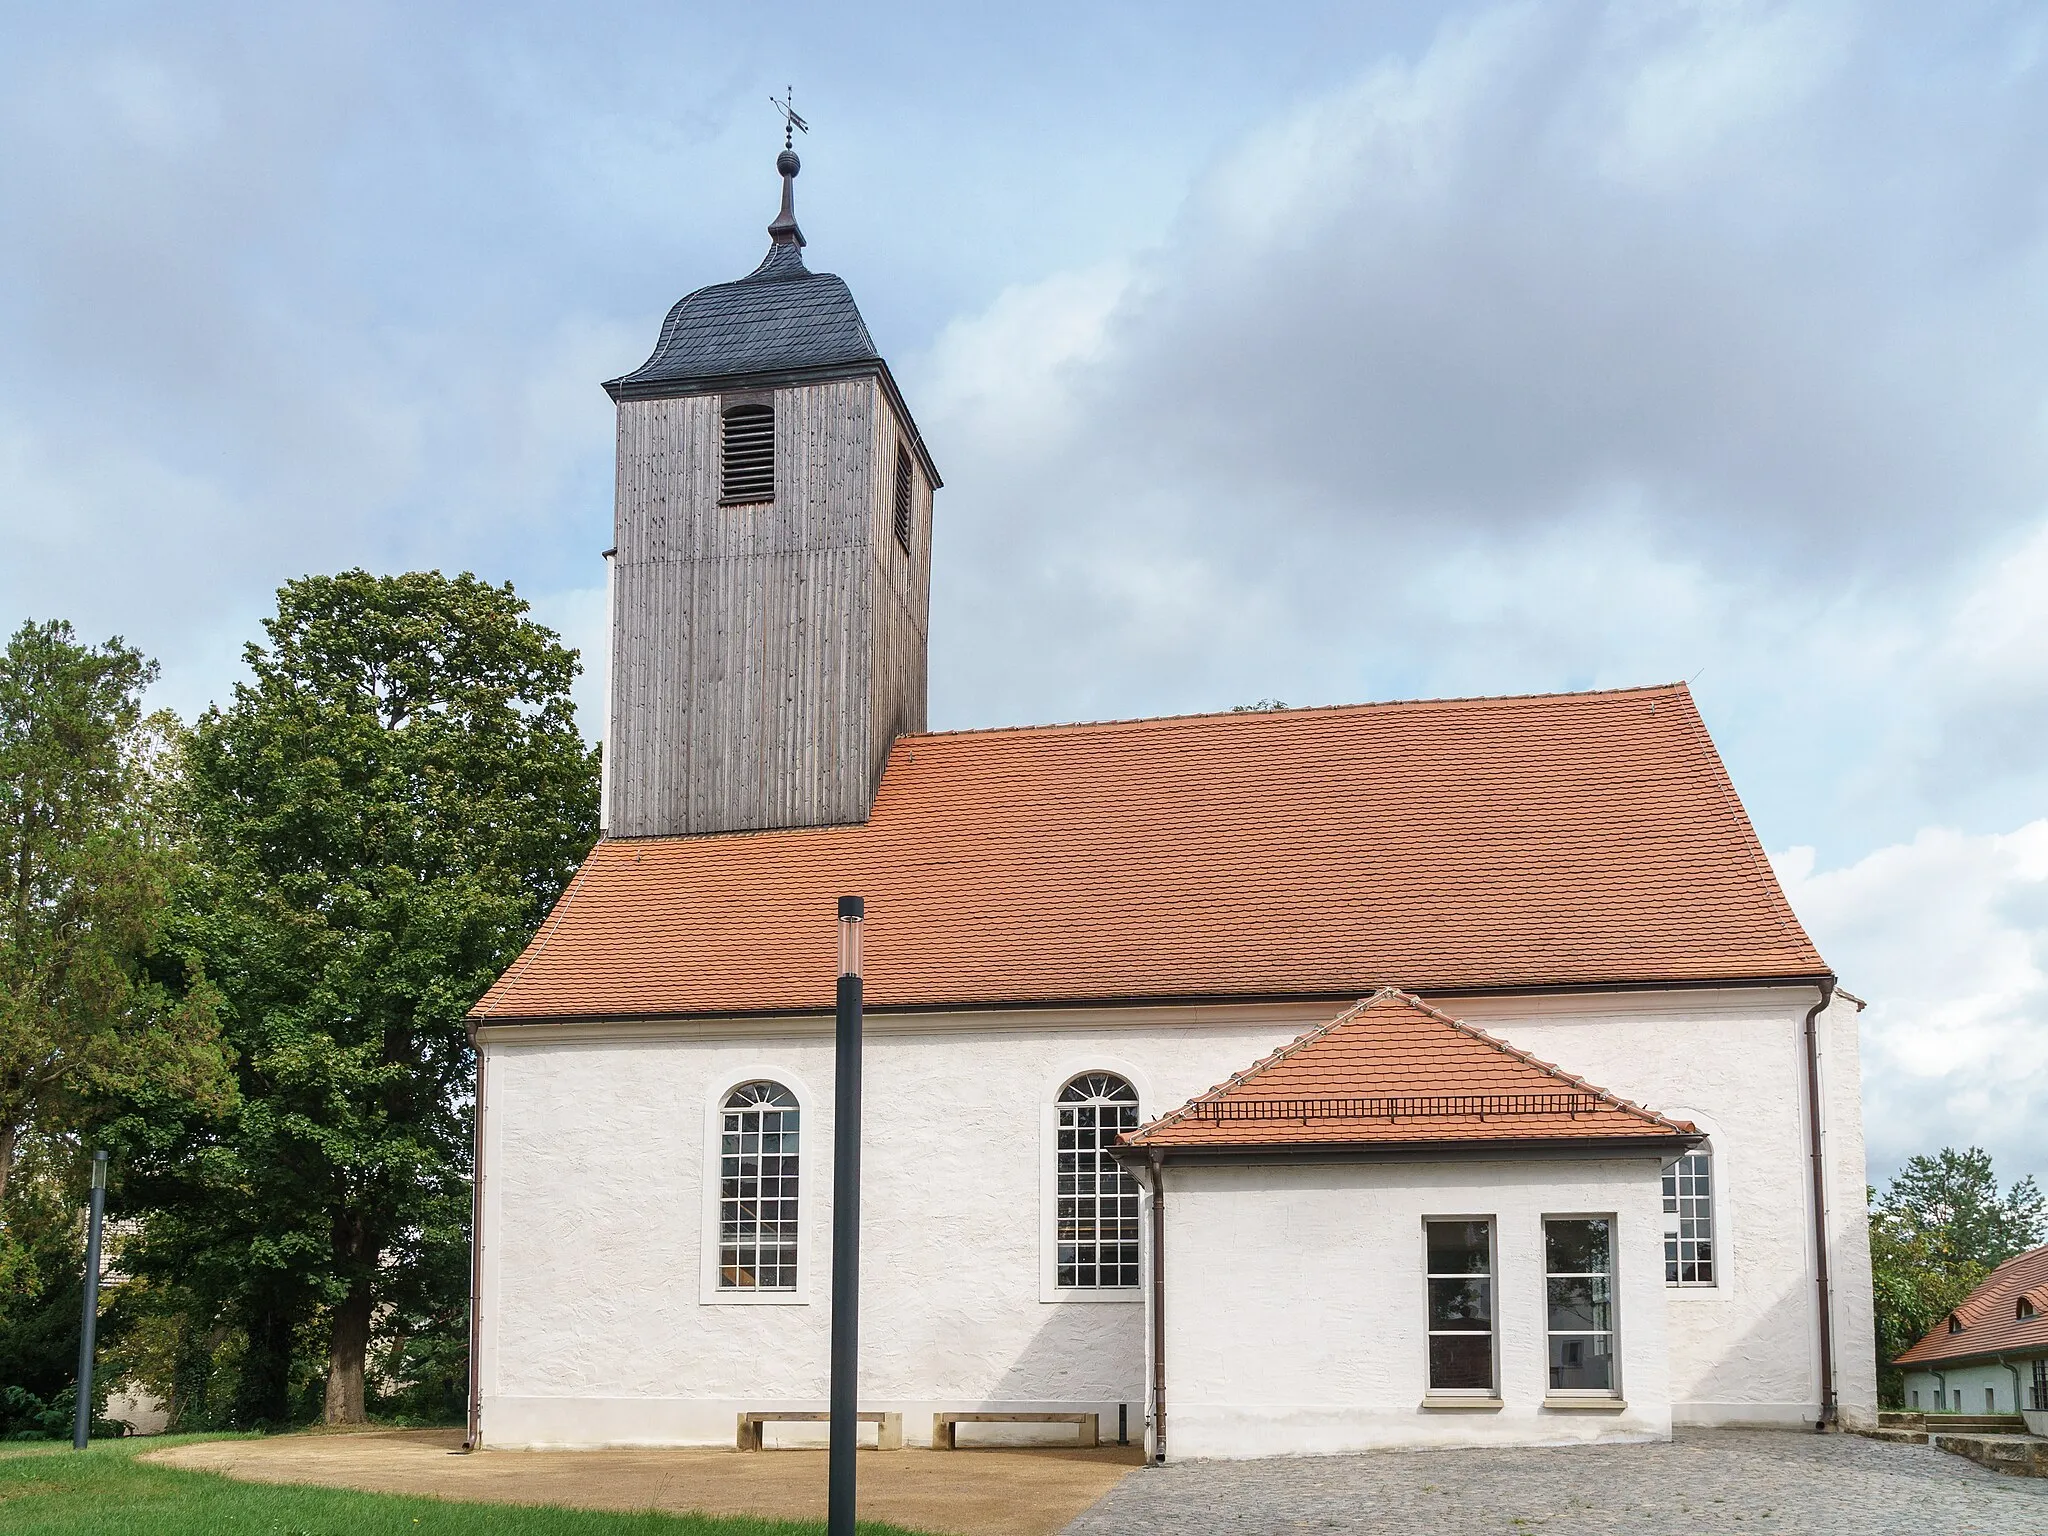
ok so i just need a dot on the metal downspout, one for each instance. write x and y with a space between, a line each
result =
474 1435
2019 1402
1158 1310
1820 1207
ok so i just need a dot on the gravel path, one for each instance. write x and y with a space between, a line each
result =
1705 1483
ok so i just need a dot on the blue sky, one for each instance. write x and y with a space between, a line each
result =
1314 352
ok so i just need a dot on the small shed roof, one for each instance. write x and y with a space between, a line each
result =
1393 1071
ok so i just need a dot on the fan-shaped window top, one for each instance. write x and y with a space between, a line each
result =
2024 1308
757 1189
1097 1212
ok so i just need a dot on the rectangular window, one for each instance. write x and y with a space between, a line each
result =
1689 1220
904 485
1991 1400
1578 1256
2041 1386
1460 1278
1916 1397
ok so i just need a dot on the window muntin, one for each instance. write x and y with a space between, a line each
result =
1578 1263
2041 1386
1459 1269
746 456
905 482
1689 1220
1096 1210
757 1189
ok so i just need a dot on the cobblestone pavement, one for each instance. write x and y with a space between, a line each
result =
1705 1483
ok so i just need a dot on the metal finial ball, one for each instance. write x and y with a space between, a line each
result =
787 163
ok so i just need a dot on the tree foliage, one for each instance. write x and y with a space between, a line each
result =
93 1012
382 815
1939 1228
102 1026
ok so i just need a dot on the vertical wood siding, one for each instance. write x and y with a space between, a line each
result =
764 656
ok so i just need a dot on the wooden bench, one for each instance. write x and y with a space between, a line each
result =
943 1425
888 1427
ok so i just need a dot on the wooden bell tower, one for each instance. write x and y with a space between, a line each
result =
771 580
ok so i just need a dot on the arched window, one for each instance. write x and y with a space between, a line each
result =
747 453
1955 1323
2023 1309
1097 1210
1689 1219
757 1176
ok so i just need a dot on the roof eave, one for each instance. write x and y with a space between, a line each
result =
1162 1000
1974 1357
631 386
1575 1148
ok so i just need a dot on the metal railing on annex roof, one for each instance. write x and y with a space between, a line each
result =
1402 1107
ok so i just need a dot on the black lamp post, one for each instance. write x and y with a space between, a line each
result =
845 1228
81 1422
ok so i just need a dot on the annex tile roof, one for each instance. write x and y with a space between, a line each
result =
1554 841
1991 1318
1392 1070
780 319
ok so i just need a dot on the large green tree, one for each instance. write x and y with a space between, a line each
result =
1939 1228
104 1035
383 814
93 1012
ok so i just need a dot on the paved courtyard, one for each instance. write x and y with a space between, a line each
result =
1706 1483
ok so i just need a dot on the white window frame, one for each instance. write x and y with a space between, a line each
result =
1672 1220
1432 1392
1725 1171
1049 1288
1612 1391
811 1137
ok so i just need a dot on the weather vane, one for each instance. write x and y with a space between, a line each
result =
790 121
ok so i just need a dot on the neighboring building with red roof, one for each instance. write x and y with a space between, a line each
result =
1991 1354
1439 1072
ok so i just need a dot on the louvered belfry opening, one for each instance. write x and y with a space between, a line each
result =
747 453
903 473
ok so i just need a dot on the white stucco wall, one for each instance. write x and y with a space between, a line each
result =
594 1326
1972 1382
1295 1304
1745 1350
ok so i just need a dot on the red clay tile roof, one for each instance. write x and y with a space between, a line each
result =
1559 840
1991 1324
1394 1070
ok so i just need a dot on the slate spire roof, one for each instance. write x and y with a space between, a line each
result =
1392 1070
780 322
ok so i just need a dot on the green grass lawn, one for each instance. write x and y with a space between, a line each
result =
104 1491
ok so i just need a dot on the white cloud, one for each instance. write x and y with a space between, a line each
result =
1947 936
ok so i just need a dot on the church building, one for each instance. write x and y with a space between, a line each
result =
1447 1072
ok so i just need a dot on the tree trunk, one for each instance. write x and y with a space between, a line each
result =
351 1343
8 1136
263 1388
